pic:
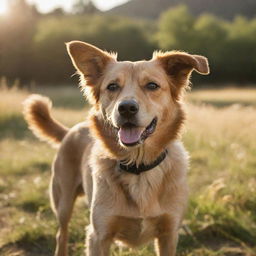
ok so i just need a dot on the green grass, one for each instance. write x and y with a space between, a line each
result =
220 136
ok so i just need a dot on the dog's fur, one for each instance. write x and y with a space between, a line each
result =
133 209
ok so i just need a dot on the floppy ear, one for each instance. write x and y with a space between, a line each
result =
89 60
179 66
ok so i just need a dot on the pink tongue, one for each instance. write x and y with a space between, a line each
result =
130 135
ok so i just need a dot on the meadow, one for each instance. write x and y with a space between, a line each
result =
220 135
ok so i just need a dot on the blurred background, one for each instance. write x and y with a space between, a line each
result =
33 32
220 132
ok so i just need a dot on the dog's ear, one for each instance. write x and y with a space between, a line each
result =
179 66
89 60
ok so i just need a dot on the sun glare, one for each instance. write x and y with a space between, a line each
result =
3 7
47 5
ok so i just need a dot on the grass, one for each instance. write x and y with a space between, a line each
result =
227 97
220 136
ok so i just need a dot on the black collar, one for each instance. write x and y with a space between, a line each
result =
133 168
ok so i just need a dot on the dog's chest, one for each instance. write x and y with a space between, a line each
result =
143 190
136 231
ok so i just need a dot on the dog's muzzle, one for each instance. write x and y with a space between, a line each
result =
128 108
130 135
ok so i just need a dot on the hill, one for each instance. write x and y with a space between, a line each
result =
151 9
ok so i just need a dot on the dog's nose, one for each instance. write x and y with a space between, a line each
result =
128 108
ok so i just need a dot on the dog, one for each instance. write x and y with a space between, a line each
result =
127 156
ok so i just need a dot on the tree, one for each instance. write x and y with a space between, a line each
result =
57 12
176 29
16 40
18 8
84 7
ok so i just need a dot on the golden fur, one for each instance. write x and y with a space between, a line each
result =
37 114
133 209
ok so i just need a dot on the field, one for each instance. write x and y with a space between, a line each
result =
220 135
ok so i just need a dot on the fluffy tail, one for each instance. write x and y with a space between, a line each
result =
37 114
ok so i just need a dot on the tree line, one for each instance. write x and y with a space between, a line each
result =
32 45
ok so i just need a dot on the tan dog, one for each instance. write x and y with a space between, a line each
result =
127 157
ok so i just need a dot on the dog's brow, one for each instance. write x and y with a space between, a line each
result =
116 81
146 77
112 79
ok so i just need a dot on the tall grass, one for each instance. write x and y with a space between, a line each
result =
221 218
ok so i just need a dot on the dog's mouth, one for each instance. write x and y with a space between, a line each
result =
130 135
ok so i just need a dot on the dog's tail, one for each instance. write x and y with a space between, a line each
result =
37 114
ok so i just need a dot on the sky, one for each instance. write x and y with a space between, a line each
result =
48 5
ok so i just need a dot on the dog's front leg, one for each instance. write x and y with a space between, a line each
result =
97 244
166 244
167 238
100 233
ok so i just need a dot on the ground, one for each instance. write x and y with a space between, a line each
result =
220 135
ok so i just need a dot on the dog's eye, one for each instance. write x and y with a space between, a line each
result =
113 87
152 86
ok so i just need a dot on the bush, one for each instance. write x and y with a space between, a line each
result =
229 46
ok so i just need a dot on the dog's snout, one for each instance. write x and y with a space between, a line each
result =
128 108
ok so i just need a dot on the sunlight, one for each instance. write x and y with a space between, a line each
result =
48 5
3 7
106 5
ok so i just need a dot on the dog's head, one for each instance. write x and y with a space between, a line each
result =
139 99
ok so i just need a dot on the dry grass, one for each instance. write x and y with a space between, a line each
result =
221 218
220 98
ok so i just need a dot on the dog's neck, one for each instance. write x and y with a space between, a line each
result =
146 153
138 169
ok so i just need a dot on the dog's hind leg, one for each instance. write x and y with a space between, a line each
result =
62 198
